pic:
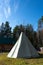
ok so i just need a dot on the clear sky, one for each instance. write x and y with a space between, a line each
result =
21 12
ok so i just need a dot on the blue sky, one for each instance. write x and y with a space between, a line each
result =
21 12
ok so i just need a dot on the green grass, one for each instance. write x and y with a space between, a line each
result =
8 61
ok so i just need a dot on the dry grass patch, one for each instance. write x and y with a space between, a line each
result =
8 61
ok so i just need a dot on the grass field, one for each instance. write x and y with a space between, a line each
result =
8 61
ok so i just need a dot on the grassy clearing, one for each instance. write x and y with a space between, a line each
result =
8 61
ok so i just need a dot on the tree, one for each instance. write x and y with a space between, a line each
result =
7 29
2 30
29 32
21 28
40 31
15 32
40 24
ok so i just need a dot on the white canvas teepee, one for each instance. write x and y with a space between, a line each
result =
23 48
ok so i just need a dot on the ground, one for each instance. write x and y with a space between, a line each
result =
8 61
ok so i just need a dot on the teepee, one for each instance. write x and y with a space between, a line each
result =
23 48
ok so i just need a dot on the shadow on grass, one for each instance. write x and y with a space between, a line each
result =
40 56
